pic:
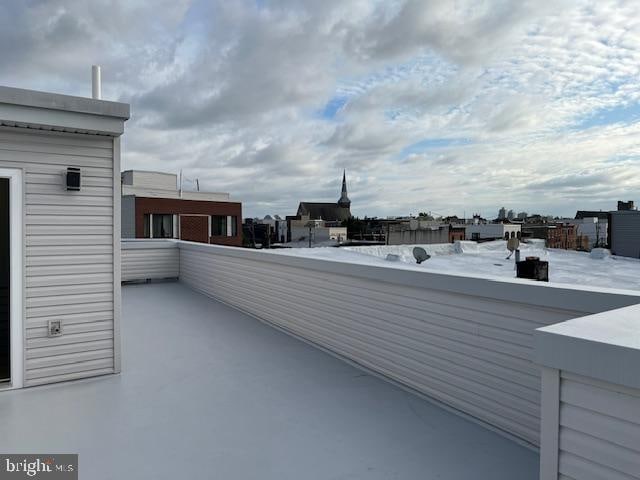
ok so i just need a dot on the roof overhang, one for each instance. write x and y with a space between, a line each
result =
52 111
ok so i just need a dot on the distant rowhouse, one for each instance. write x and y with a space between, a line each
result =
264 232
416 232
556 234
492 231
591 232
154 207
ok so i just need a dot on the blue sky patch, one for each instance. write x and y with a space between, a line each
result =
333 106
608 116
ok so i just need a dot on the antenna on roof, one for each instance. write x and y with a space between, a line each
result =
96 82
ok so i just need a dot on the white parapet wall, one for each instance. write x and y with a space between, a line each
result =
149 259
466 342
591 396
463 341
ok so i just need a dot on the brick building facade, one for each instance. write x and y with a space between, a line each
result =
562 236
151 209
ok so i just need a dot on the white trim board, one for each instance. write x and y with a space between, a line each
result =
117 259
17 279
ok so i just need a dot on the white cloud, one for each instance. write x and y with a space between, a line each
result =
233 92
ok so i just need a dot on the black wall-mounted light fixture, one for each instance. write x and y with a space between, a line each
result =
73 179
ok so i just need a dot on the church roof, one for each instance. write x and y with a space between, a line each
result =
325 211
344 199
330 212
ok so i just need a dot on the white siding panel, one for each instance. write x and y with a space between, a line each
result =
69 210
84 298
75 367
61 260
70 319
59 188
61 240
68 200
90 178
40 271
38 136
69 220
40 345
69 251
153 262
69 359
12 158
67 309
472 353
76 230
41 332
599 429
68 280
51 148
583 469
103 341
58 250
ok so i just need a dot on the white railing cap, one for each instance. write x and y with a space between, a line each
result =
605 346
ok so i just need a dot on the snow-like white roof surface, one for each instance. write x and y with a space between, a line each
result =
489 260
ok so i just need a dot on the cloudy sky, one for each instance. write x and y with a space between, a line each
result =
449 106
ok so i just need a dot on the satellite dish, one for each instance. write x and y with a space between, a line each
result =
420 254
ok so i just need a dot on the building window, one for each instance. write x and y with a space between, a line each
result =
162 225
219 225
224 226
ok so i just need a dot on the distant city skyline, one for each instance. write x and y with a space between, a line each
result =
439 105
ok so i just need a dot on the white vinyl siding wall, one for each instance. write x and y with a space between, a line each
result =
149 260
69 264
599 436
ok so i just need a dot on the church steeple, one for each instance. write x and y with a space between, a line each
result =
344 201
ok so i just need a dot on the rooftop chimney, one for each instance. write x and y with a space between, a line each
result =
96 82
624 206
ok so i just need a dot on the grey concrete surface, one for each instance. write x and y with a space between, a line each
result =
208 392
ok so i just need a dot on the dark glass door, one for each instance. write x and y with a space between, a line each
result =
5 280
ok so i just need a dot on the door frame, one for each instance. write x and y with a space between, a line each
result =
16 296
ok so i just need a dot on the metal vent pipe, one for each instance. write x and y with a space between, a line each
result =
96 82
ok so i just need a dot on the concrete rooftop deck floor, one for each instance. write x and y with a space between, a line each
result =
208 392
